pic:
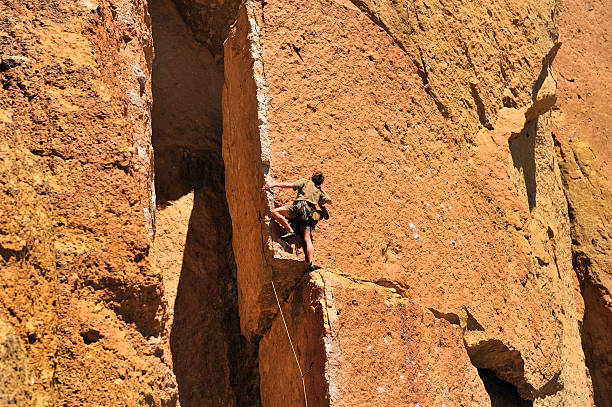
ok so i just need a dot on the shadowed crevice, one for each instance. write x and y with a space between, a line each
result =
595 330
507 363
186 115
522 149
502 393
213 363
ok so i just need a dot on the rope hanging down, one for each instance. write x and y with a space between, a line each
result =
291 343
280 309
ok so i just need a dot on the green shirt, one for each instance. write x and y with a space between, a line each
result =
308 191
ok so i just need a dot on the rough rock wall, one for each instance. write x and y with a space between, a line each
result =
589 196
455 226
456 202
473 57
584 69
582 137
78 288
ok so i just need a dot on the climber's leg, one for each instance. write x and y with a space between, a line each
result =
309 248
280 215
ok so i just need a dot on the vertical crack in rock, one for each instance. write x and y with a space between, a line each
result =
480 107
582 130
522 150
247 156
213 363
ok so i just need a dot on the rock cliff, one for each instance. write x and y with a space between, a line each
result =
79 290
467 257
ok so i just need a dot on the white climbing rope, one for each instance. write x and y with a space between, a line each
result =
280 309
291 343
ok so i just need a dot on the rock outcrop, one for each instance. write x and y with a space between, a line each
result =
478 235
362 344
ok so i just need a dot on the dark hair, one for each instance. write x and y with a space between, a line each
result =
317 178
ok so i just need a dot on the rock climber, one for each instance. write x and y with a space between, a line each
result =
303 210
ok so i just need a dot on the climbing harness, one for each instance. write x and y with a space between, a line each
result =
304 211
280 309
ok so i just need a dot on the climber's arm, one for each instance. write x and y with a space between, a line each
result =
328 200
279 185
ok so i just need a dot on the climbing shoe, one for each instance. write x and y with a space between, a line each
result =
288 235
312 267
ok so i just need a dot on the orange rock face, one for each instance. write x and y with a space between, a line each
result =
465 148
583 68
582 131
463 233
76 210
589 194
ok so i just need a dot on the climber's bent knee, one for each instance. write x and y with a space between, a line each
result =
281 210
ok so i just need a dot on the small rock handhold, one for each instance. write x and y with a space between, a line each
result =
135 98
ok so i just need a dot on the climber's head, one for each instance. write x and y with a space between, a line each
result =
317 178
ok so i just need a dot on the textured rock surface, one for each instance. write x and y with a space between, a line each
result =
245 155
171 223
210 20
582 135
15 379
589 196
471 225
29 290
78 287
364 344
473 57
584 69
413 209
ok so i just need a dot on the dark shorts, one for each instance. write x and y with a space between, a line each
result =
301 212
